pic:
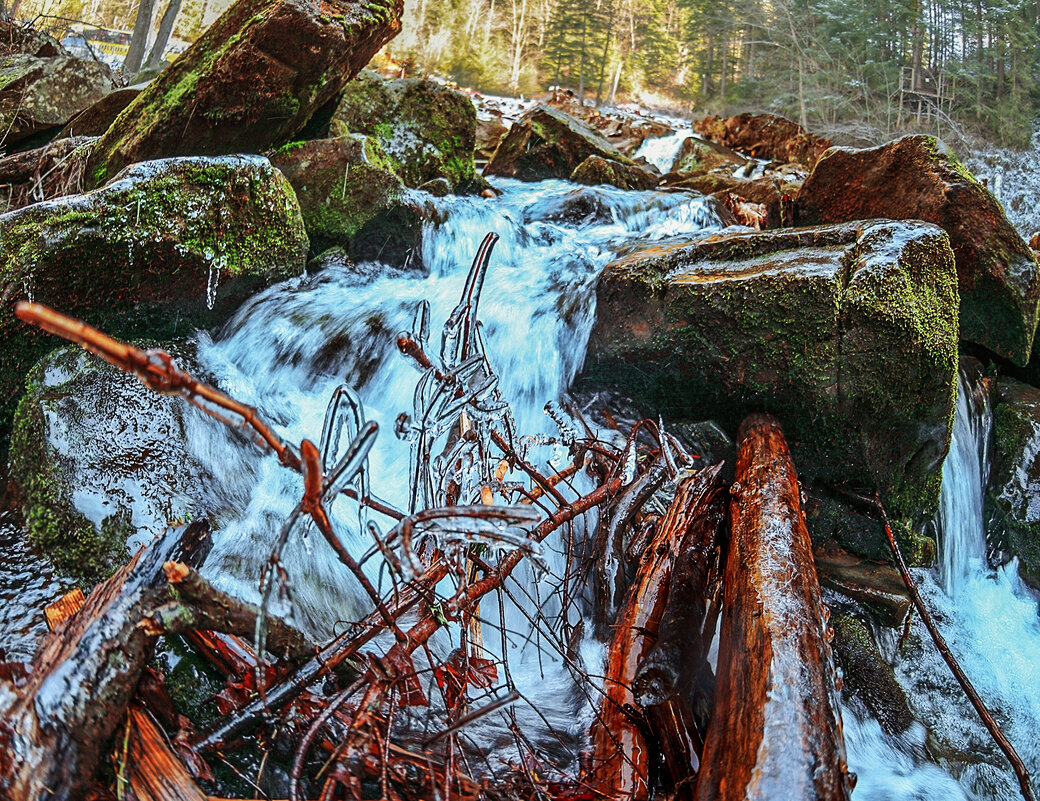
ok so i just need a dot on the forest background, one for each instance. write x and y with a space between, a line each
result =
857 72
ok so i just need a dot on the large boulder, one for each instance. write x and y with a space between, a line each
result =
847 333
350 197
18 37
917 177
1012 504
547 143
166 246
596 171
764 136
100 462
251 81
698 156
37 94
426 130
96 119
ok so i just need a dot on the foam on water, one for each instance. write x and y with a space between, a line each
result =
289 348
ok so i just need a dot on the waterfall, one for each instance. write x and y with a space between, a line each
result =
989 618
289 348
661 151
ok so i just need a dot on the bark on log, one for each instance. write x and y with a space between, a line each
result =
620 760
251 81
52 729
776 727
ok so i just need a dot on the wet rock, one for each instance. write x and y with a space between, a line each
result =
21 38
596 170
100 462
764 136
37 94
350 197
251 81
837 527
96 119
876 586
547 143
848 334
867 676
917 177
166 246
426 130
489 134
1012 505
438 187
697 156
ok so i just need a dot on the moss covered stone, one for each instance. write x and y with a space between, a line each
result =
596 170
351 198
697 156
1012 513
251 81
100 462
168 246
426 130
40 93
847 333
548 143
918 177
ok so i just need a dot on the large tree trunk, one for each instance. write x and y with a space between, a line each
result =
139 39
775 730
163 36
620 761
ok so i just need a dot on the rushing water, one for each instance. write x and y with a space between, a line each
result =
661 151
290 347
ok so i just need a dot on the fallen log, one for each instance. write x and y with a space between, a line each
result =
776 722
620 763
53 728
674 681
55 724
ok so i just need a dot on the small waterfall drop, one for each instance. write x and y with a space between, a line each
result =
661 151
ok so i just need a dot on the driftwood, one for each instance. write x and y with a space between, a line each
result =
776 725
620 761
674 681
84 674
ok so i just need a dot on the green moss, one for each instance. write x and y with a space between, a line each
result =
74 545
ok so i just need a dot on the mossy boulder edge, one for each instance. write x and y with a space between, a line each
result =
848 334
168 246
919 178
251 81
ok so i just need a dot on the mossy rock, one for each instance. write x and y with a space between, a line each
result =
697 156
848 334
351 198
165 248
547 143
1012 511
426 130
96 119
41 93
100 462
596 171
919 178
251 81
867 676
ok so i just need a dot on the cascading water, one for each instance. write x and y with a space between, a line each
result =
989 618
289 348
661 151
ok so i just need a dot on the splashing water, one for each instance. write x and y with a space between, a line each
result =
989 618
289 349
661 151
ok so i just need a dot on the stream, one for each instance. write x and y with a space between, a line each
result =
289 348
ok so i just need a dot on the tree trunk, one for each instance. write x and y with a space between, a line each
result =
139 39
775 730
163 36
620 761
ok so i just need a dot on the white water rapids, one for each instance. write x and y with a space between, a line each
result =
288 349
